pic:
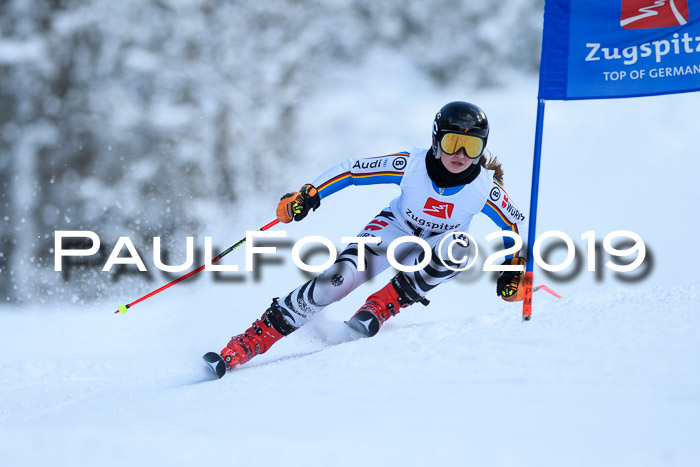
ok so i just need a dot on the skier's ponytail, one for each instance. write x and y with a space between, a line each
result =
492 164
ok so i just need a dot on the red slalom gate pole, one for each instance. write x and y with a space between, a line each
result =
546 289
123 308
527 300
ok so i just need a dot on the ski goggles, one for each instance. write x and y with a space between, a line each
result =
451 143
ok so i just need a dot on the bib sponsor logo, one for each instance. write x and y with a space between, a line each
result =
495 193
439 209
432 226
367 165
650 14
376 225
515 214
399 163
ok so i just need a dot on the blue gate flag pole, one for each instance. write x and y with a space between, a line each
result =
534 191
600 49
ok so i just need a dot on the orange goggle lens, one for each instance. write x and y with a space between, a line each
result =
451 143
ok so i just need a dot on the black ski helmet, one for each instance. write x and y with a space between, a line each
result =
459 117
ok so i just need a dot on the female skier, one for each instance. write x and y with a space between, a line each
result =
442 189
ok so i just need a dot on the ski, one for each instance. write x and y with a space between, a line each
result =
365 323
215 363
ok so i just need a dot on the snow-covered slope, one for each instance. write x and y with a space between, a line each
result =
605 377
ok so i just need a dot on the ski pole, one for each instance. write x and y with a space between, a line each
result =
123 308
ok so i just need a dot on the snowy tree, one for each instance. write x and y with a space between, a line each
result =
147 117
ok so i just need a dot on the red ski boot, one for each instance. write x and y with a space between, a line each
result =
258 338
383 304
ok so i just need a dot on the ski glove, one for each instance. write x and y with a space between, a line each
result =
295 206
510 285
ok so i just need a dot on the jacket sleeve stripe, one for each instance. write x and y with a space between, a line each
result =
346 179
366 171
498 217
495 214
